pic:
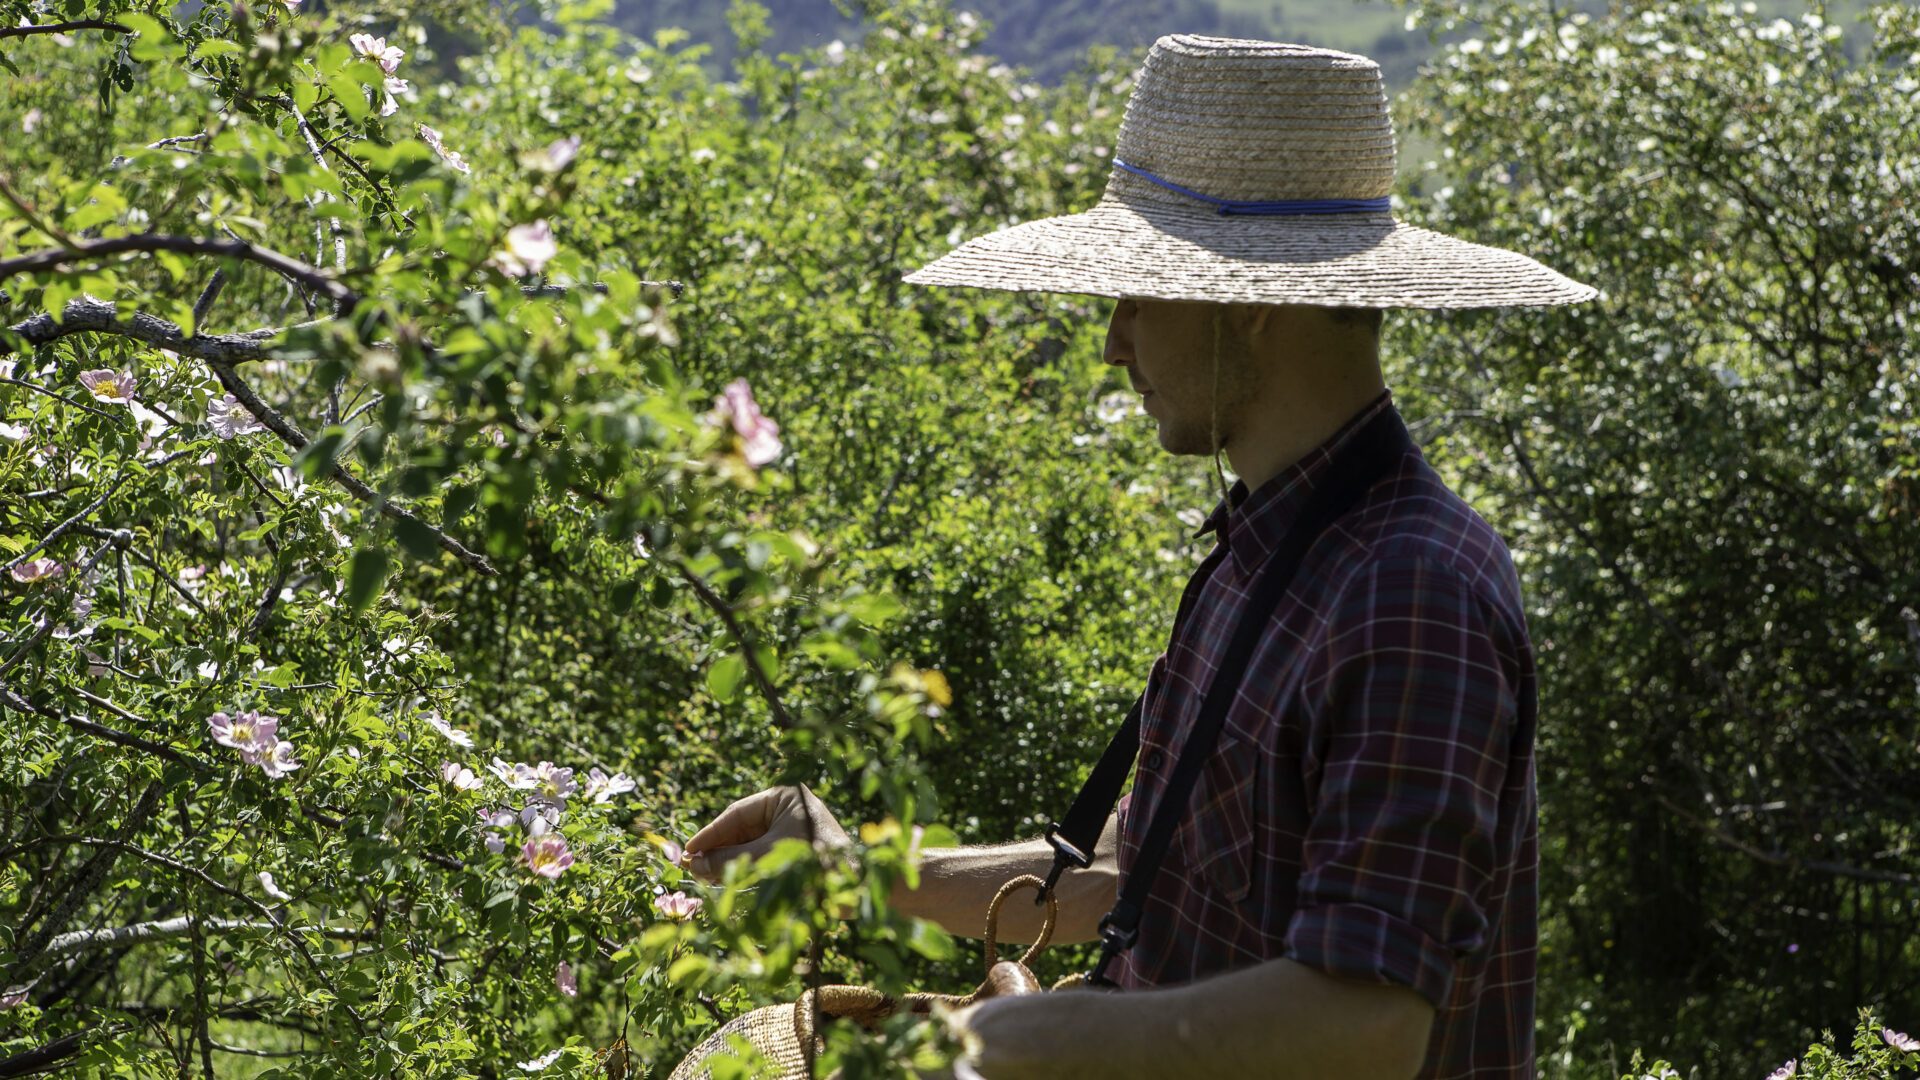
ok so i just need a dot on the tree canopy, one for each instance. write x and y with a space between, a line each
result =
444 460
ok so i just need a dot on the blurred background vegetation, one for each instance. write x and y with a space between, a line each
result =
1710 477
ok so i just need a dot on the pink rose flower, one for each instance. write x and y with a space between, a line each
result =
245 732
377 50
539 817
555 156
459 777
392 86
1785 1072
678 905
1900 1040
452 734
271 887
451 157
276 761
528 249
229 418
601 788
106 384
547 855
37 570
759 436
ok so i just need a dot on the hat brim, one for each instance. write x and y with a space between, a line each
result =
1122 249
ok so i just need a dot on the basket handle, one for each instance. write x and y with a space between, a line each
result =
1024 881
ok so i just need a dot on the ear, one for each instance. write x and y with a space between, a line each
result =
1255 319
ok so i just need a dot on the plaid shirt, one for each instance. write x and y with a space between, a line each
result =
1369 811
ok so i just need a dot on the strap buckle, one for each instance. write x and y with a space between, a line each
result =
1119 929
1065 855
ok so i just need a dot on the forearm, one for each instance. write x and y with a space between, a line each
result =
956 884
1278 1019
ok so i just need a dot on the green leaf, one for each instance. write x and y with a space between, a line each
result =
930 941
316 460
155 42
305 93
214 47
622 597
831 651
723 678
366 575
874 609
350 94
417 538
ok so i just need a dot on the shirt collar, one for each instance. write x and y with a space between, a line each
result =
1252 524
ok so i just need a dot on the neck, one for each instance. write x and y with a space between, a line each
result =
1289 417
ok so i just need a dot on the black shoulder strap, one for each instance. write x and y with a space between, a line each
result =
1368 456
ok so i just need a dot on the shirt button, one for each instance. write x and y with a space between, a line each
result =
1155 759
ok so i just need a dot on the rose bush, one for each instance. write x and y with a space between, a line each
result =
526 430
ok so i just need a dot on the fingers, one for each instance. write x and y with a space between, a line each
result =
710 866
745 820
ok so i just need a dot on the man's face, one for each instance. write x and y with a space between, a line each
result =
1167 348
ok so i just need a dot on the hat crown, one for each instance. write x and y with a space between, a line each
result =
1253 120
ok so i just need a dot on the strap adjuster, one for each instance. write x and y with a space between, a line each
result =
1116 938
1065 855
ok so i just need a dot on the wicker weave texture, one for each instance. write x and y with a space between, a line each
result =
1264 121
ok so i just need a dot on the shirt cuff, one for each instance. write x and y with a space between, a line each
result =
1354 941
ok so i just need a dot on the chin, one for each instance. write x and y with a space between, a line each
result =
1183 441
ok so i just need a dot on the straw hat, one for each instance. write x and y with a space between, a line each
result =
1252 171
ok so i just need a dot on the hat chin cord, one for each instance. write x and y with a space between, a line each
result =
1213 426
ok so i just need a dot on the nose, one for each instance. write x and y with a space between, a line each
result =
1119 349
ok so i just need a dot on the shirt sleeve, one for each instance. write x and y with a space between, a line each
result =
1412 708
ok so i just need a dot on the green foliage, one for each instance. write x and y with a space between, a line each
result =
1709 481
505 504
1878 1054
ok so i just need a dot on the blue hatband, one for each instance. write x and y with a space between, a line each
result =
1277 207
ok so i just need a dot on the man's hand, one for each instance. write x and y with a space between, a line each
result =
753 825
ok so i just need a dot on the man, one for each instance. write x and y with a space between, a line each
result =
1349 890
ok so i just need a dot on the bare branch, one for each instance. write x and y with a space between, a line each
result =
299 944
60 529
112 937
101 731
31 941
320 159
47 624
166 144
65 27
226 1048
42 1058
58 258
297 439
719 607
1781 858
145 560
207 296
89 315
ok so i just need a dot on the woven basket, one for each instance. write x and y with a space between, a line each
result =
781 1033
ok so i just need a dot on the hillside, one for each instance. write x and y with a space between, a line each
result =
1050 36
